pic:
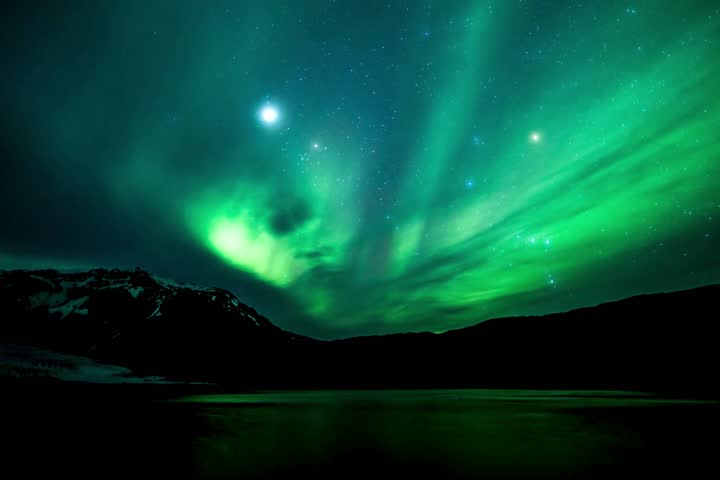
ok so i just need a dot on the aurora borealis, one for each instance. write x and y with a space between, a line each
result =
427 164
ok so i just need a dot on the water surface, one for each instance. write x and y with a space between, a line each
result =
361 434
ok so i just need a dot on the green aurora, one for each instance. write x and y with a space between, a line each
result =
433 164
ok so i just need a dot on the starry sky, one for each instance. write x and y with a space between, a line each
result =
352 168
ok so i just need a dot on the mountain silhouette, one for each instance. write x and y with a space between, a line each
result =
158 327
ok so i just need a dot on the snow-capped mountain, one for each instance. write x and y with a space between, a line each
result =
134 318
73 294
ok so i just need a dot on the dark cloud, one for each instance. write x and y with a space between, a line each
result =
287 219
318 253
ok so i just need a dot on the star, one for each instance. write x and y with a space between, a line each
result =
269 114
535 137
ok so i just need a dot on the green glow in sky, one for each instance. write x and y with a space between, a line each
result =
433 164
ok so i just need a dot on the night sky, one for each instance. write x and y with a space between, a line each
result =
362 167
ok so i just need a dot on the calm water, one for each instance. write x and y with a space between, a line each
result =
361 434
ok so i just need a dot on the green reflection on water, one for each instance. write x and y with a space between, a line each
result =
464 433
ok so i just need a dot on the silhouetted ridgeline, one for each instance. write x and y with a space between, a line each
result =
158 327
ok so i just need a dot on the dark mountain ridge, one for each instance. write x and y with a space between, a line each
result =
141 321
663 342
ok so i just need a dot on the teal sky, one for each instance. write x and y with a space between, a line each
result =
432 164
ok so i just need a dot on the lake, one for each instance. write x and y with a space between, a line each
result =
364 434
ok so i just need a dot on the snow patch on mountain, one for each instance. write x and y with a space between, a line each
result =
43 280
51 299
172 284
71 306
157 312
135 291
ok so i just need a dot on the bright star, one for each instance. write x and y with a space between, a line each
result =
535 137
269 115
316 146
